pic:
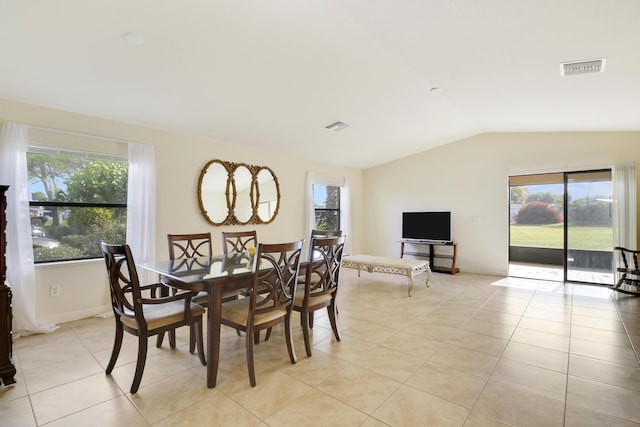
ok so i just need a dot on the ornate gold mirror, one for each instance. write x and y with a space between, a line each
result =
267 195
237 193
213 192
242 185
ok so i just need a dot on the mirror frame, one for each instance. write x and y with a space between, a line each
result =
256 184
231 193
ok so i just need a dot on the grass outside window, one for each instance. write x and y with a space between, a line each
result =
551 236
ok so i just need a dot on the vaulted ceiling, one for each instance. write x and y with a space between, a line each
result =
405 75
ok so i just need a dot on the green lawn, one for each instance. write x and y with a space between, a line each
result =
551 236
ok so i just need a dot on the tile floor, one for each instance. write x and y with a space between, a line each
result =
469 351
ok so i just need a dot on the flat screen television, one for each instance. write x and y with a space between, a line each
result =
427 226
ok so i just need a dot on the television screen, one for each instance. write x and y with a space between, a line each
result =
435 226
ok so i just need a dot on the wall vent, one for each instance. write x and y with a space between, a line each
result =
583 67
337 126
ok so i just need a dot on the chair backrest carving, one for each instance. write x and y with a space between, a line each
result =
323 267
238 241
275 273
189 245
123 281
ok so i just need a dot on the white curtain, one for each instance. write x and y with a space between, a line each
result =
19 256
141 206
345 215
310 213
345 204
624 206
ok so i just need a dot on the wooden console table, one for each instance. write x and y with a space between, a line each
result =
432 254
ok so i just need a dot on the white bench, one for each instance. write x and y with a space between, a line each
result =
379 264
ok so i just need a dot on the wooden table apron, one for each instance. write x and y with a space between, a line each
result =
214 287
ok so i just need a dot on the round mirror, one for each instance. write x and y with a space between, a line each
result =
213 192
242 205
267 195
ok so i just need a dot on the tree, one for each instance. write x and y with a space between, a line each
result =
51 172
519 194
99 182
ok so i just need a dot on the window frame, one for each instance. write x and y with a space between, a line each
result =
78 153
337 210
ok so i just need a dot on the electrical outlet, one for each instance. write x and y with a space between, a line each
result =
54 291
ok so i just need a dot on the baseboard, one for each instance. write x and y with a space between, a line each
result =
70 316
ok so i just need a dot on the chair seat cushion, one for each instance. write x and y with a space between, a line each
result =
238 311
314 300
159 315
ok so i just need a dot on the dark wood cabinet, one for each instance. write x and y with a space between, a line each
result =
7 370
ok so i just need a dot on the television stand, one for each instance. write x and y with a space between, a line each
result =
432 254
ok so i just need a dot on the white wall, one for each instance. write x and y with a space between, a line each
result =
469 178
179 160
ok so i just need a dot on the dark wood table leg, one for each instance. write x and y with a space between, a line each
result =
213 334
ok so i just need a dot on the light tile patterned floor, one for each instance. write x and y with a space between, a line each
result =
469 351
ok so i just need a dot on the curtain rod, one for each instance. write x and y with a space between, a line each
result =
72 133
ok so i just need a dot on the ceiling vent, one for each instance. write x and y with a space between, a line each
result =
337 126
583 67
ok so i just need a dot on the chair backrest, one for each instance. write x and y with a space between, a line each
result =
189 245
238 241
326 233
323 267
275 275
629 259
123 281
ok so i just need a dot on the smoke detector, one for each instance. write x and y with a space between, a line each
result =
583 67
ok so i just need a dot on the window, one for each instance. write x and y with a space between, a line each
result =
327 206
76 199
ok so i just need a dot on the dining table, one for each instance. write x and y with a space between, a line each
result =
215 275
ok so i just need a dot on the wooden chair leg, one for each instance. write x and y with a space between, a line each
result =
333 311
304 323
117 345
250 366
142 359
267 335
192 338
311 320
172 338
159 339
289 338
200 341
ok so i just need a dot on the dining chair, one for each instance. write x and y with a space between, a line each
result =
238 241
320 284
270 300
628 271
144 316
188 246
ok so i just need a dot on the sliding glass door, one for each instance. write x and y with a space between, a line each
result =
560 226
536 232
589 234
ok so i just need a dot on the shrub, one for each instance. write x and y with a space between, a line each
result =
62 252
537 213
